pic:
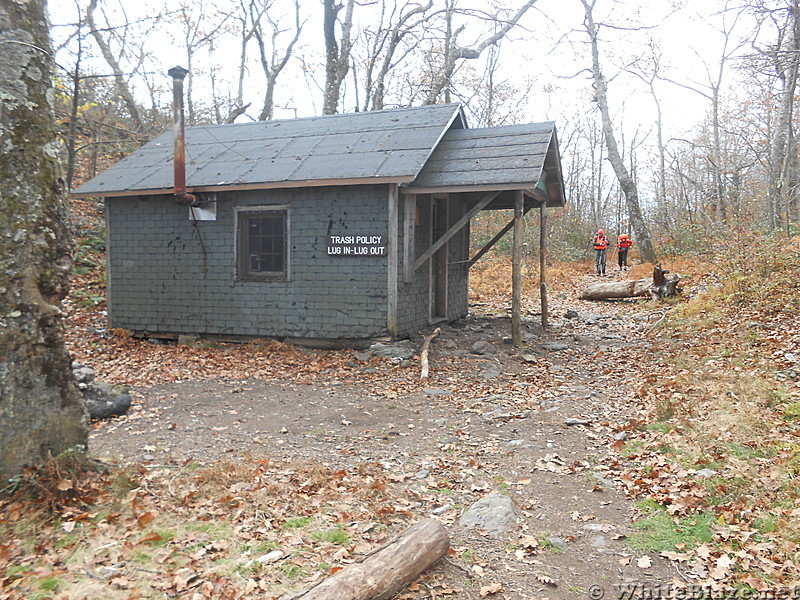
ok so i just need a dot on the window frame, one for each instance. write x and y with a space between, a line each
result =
242 214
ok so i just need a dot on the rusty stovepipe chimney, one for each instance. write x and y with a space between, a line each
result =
181 196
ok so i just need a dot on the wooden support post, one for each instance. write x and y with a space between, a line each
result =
516 272
409 227
543 261
393 259
381 575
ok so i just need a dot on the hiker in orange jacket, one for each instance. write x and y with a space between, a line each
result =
600 242
623 245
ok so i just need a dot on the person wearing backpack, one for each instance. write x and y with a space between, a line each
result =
623 245
600 242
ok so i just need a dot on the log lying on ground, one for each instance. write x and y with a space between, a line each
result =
384 573
659 286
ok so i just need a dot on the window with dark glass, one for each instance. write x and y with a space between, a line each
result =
263 244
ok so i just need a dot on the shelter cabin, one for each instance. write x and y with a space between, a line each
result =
343 227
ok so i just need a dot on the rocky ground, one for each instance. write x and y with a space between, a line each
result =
536 424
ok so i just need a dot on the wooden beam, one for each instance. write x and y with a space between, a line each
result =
393 257
494 240
543 262
409 228
455 228
516 272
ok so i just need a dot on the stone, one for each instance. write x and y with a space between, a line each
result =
558 543
555 346
705 473
442 509
494 513
575 421
530 358
104 400
491 373
81 373
393 352
362 356
482 347
435 392
571 314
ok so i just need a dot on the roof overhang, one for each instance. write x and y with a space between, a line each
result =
275 185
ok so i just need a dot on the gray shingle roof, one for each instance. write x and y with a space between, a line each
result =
513 156
388 145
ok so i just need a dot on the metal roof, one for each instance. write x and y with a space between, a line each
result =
508 157
377 146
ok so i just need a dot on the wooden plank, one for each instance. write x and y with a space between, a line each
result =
409 229
543 262
455 229
516 273
392 251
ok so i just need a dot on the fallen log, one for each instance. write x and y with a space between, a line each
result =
657 287
384 573
629 288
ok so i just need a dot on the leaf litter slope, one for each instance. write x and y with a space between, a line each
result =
299 462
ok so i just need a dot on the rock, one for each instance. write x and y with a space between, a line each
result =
393 352
489 374
442 509
104 400
422 474
494 513
82 374
362 356
270 557
188 340
530 358
706 473
555 346
575 421
571 314
558 543
435 392
482 347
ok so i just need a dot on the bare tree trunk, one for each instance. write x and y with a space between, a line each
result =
41 411
119 78
783 153
626 182
443 78
337 54
272 67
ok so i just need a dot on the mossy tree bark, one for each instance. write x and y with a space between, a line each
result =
41 411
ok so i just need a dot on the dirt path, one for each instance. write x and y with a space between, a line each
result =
533 427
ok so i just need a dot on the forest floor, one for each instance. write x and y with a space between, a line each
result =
648 448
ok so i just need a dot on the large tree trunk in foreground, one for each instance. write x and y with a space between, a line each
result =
390 569
41 410
659 286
